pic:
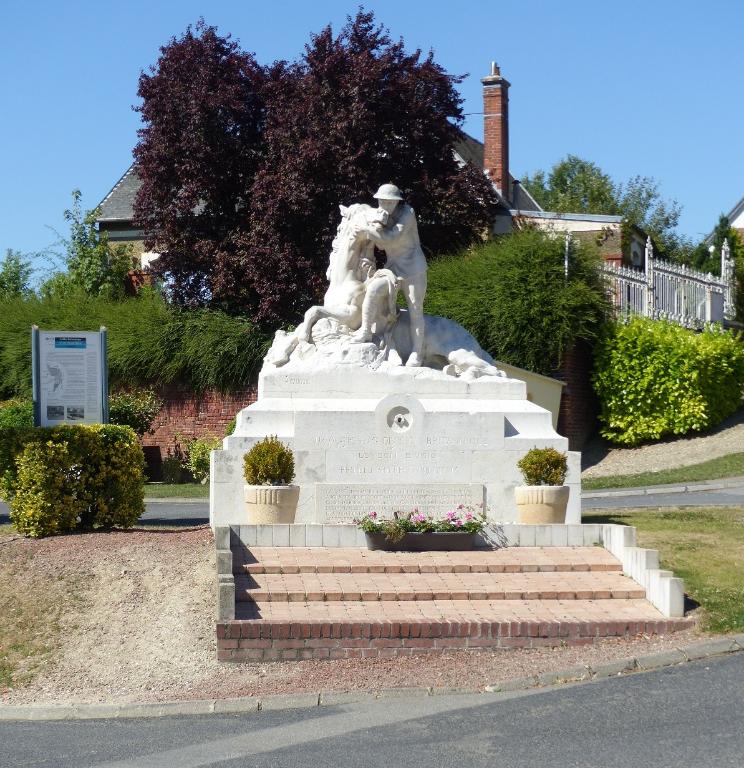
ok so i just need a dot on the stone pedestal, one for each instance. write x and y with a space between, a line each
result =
390 439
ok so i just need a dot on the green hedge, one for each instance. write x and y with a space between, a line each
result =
68 478
655 379
150 342
16 413
513 295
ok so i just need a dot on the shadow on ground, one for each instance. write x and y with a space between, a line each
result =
597 447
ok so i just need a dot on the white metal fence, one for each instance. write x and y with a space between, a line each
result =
673 291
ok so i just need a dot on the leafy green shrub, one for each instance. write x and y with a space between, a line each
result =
269 462
513 296
543 466
655 379
150 342
135 408
230 428
173 472
66 478
197 456
16 413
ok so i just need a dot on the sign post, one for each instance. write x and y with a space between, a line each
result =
70 377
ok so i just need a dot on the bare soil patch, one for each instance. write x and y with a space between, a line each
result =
129 617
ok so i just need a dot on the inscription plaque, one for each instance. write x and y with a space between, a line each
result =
346 502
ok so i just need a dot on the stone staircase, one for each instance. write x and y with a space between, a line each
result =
333 602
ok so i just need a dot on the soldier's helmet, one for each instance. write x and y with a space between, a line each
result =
388 192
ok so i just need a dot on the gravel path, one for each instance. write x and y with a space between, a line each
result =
143 630
600 460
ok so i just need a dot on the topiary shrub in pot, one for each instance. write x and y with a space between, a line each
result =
544 497
268 468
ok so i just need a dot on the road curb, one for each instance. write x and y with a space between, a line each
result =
246 704
176 500
655 490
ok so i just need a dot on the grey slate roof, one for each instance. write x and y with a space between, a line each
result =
736 211
118 205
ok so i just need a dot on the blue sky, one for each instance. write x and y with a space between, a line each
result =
650 88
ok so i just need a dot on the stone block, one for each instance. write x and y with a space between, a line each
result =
297 535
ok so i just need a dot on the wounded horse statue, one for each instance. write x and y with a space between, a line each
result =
359 322
383 407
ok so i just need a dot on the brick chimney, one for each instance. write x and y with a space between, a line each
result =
496 130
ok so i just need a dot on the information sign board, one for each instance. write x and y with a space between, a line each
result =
70 377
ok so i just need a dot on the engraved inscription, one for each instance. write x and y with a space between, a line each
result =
346 502
399 464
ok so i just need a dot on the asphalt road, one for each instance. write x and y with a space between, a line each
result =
191 512
726 496
690 715
196 511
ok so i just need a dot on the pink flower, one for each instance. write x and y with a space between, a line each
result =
457 522
418 518
461 506
468 515
372 515
451 514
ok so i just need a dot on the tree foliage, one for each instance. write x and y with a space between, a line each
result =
202 109
243 167
575 185
15 275
91 263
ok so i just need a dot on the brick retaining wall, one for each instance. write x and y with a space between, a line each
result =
186 415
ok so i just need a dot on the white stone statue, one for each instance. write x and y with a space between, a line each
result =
395 232
359 322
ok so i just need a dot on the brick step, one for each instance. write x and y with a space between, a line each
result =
288 630
293 560
420 587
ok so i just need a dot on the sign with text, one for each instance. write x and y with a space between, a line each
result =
70 377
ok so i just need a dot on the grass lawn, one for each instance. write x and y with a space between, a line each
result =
702 545
31 606
176 490
715 469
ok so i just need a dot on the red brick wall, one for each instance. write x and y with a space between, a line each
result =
577 418
187 415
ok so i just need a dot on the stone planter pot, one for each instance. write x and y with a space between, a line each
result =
423 542
541 504
271 504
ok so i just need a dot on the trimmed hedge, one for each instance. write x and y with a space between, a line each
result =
68 478
150 342
655 379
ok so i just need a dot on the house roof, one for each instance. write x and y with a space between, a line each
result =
732 215
118 205
595 217
736 211
470 150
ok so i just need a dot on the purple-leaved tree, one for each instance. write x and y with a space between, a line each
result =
355 111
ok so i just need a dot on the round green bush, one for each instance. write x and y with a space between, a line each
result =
543 466
269 462
135 408
68 478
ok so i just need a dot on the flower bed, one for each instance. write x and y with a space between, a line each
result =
417 531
